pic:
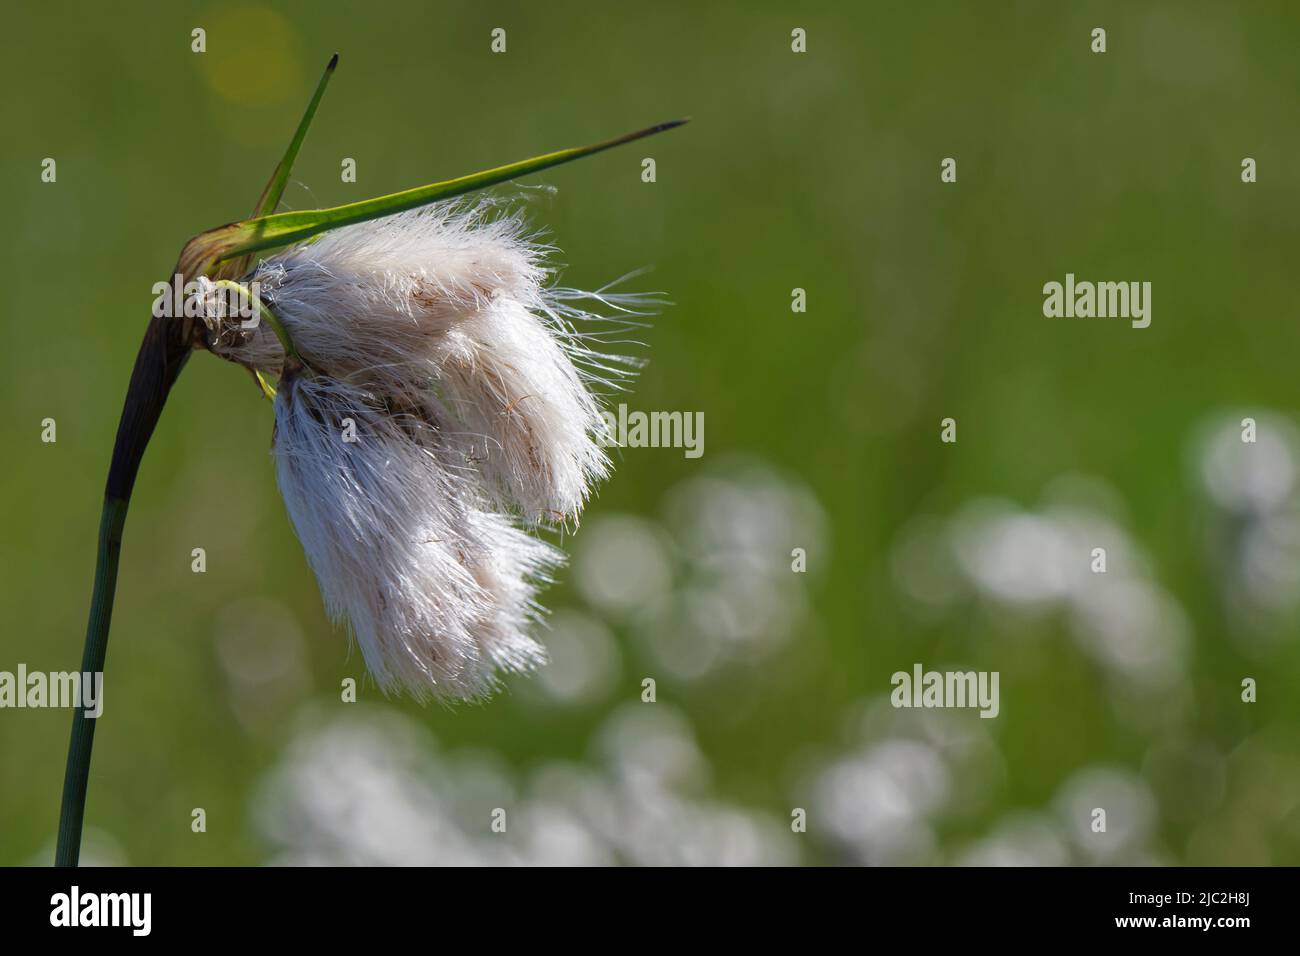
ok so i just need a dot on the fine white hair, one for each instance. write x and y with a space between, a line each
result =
444 396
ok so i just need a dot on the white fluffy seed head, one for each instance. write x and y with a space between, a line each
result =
469 393
439 594
445 310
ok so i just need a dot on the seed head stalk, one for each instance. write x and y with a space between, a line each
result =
162 355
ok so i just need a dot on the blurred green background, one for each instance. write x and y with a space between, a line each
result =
817 171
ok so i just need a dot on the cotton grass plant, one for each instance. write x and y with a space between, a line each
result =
434 405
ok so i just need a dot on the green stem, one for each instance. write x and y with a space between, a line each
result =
162 355
92 662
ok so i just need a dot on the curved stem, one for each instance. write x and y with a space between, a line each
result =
158 364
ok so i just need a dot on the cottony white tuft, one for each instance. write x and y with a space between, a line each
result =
469 391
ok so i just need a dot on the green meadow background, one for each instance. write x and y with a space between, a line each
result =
820 171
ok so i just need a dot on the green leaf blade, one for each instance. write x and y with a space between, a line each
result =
281 229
